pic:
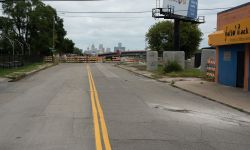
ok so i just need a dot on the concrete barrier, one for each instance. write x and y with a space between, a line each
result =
152 60
178 56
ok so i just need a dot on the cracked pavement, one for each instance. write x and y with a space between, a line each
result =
51 110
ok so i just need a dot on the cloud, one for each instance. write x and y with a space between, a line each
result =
109 29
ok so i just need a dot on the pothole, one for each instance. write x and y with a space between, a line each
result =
172 109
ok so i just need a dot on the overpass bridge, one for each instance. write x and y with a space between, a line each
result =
139 53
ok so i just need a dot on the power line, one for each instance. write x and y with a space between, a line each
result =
104 17
131 12
105 12
134 12
52 0
127 12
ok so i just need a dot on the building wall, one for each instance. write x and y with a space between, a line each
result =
249 74
231 16
228 65
249 69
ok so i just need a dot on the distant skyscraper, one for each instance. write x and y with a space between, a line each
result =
119 48
119 44
101 48
108 50
93 47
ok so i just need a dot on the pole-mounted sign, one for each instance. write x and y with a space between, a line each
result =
185 8
178 10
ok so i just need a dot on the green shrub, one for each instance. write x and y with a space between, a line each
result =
172 66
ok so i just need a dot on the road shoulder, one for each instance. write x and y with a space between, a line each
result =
20 75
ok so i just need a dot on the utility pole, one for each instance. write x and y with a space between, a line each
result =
176 34
53 40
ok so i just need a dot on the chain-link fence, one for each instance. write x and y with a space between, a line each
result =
10 61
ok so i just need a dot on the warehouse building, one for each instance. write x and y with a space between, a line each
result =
232 42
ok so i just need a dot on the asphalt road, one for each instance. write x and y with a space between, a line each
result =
75 107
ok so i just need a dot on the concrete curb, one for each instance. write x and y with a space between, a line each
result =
22 76
211 99
149 77
134 72
189 91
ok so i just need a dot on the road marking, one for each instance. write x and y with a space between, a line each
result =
95 117
96 102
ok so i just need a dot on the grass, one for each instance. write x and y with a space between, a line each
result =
19 71
188 73
140 67
159 73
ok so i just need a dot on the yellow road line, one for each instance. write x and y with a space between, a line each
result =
100 111
95 117
102 119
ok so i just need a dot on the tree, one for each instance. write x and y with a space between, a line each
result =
6 35
68 46
160 37
77 51
43 18
31 23
18 15
61 33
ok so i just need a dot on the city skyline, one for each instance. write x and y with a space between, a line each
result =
100 48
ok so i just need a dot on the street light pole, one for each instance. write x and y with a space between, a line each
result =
53 40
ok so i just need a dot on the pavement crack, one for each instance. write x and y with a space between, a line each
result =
172 109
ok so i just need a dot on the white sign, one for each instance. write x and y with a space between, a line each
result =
186 8
227 55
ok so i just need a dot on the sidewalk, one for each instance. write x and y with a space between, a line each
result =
233 97
230 96
21 73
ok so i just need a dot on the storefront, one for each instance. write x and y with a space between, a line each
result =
232 42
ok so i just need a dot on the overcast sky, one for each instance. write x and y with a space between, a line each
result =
130 29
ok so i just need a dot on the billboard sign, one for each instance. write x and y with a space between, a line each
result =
185 8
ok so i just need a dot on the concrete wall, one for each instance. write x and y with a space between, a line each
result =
152 60
228 68
178 56
205 55
189 63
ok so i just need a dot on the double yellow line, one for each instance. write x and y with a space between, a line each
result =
98 117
